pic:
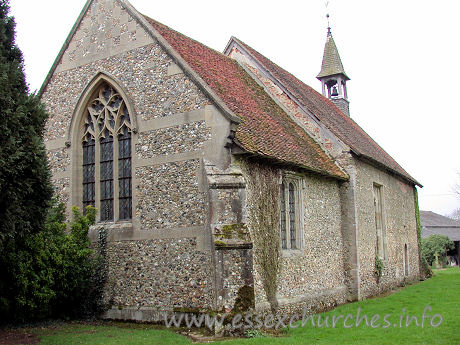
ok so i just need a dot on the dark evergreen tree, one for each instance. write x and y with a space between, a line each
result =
47 268
25 188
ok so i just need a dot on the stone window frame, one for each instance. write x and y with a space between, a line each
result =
298 183
75 134
380 248
406 264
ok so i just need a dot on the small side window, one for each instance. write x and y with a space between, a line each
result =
379 222
291 209
406 261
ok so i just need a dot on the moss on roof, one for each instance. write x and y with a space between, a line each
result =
343 126
265 130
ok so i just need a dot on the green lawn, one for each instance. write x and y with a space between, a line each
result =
113 334
442 293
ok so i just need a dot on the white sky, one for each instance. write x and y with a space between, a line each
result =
402 57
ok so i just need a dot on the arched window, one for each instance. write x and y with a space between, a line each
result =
380 222
283 218
106 164
406 261
291 215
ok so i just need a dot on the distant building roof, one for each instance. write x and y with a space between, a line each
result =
435 224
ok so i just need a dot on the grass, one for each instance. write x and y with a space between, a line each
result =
442 293
110 333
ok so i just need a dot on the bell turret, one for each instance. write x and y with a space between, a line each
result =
333 77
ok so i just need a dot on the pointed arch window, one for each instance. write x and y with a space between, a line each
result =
406 261
283 217
106 145
88 172
291 217
381 243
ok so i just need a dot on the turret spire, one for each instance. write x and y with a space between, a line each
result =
332 75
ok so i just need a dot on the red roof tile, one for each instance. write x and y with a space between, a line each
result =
332 117
265 129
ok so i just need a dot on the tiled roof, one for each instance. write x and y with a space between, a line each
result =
331 60
435 224
265 128
452 233
335 120
429 218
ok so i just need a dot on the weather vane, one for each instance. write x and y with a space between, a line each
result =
327 16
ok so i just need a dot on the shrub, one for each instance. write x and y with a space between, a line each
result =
45 270
378 269
52 273
436 245
254 333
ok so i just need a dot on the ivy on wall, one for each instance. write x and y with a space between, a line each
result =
425 270
263 202
378 270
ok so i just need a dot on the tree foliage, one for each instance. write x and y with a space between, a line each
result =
45 270
436 245
425 269
54 273
455 215
25 188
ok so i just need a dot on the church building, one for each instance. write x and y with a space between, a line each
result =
184 151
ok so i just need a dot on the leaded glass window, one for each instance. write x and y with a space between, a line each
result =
88 173
106 145
106 164
124 174
292 220
283 218
291 217
379 225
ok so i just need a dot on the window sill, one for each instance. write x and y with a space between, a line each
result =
114 230
287 253
121 224
111 223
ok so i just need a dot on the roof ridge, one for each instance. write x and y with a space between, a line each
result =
298 94
348 118
265 129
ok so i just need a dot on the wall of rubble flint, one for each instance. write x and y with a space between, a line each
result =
398 203
162 273
312 276
400 226
165 265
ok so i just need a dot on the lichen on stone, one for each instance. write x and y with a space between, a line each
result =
238 230
218 243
